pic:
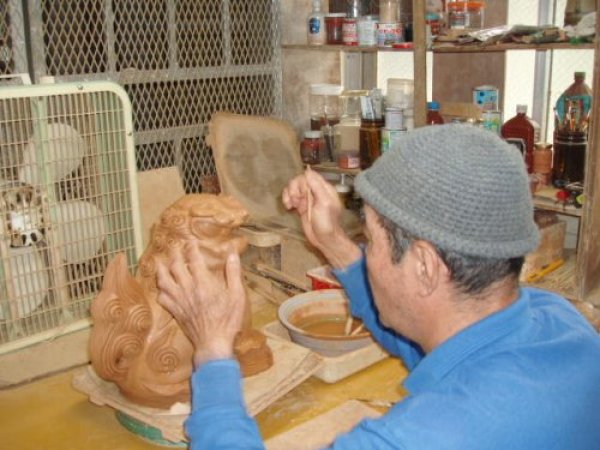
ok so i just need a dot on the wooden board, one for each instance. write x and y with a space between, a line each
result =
323 429
336 368
292 365
158 189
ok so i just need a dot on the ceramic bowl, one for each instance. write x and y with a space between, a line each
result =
327 302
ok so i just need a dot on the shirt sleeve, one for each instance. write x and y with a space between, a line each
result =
356 284
219 419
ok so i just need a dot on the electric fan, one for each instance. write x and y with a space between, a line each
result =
68 202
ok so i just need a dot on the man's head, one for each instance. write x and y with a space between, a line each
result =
456 200
459 187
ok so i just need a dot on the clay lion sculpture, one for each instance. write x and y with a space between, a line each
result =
135 342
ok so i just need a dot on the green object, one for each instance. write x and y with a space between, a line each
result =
147 432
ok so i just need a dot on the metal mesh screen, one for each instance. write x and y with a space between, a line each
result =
67 202
178 60
12 38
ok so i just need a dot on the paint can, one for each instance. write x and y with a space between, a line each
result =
486 97
350 31
367 31
389 34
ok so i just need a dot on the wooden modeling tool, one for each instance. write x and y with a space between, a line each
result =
348 326
309 199
358 329
539 274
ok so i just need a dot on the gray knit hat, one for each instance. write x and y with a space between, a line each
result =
457 186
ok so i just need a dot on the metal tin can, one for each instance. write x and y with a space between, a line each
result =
349 160
486 97
390 139
367 31
492 120
394 118
350 31
388 34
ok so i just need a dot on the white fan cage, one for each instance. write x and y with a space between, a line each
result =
68 203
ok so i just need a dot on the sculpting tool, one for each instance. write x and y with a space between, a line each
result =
348 326
535 276
309 199
358 329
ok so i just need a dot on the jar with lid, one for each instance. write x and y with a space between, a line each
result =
367 31
334 23
310 147
324 104
465 15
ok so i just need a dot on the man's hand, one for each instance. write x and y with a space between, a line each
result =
322 226
208 309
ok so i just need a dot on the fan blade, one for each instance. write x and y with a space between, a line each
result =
28 281
81 229
63 153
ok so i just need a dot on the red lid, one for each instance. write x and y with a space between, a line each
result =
402 45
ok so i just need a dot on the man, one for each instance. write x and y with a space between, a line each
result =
448 220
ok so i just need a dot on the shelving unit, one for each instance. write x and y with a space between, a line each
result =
579 278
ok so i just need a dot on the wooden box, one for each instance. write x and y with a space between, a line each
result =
550 249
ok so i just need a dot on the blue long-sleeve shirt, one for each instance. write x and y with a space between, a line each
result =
526 377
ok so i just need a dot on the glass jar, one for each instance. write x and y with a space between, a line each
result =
389 11
333 25
465 15
311 147
568 161
369 141
324 102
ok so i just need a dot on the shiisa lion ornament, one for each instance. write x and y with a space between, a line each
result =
135 342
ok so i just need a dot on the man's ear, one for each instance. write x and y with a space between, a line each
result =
429 268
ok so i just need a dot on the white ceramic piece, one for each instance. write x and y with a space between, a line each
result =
63 153
81 229
28 281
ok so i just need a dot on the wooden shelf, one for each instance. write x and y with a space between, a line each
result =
345 48
447 47
545 199
480 48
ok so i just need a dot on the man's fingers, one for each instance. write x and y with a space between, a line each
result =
165 280
233 271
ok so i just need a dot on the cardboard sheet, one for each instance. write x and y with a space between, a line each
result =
292 365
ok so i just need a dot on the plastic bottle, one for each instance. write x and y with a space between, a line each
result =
523 132
316 25
573 106
433 114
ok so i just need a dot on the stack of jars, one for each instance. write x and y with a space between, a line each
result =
355 27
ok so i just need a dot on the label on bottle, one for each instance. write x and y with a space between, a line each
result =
314 25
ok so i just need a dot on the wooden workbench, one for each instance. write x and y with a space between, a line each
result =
49 414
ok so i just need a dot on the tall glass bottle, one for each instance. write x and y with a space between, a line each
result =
523 132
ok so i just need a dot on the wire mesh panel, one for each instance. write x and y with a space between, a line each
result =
67 201
178 60
12 38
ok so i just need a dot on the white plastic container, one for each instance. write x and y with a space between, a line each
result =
315 22
400 93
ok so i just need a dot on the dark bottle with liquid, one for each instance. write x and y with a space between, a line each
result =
523 132
369 141
568 161
433 114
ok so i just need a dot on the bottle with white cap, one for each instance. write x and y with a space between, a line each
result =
316 25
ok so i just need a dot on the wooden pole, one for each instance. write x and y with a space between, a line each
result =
420 62
588 247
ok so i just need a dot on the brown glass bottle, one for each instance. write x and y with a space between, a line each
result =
370 141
